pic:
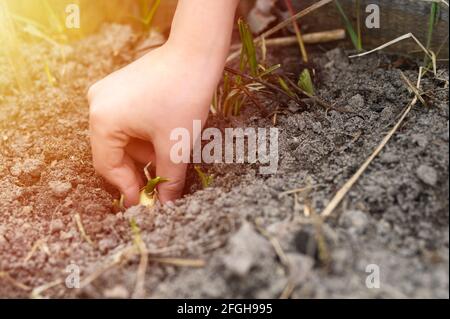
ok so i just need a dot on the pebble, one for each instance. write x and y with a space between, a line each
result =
354 220
246 249
427 174
60 189
420 139
32 167
194 208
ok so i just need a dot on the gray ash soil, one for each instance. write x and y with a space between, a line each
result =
396 216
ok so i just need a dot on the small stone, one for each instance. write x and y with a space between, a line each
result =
32 167
16 170
60 189
383 228
427 174
356 102
194 208
117 292
246 250
66 235
389 158
2 240
420 139
56 226
354 220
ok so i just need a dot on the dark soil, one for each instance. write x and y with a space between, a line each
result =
396 216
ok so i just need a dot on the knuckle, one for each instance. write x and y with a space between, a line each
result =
92 92
173 187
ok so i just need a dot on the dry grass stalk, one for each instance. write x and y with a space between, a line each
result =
179 262
12 281
308 38
82 230
38 291
282 25
349 184
429 53
39 244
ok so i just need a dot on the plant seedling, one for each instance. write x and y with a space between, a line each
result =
354 36
305 82
149 193
205 179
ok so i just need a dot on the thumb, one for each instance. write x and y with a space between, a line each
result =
175 173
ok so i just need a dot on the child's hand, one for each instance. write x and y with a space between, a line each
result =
134 110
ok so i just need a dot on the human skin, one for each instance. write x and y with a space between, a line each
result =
134 110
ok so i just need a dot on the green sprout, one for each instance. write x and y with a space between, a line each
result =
231 96
148 13
354 36
205 179
148 194
433 19
285 87
248 51
305 82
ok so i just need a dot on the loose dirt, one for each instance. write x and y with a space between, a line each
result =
255 242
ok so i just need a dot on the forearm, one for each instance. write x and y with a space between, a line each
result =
204 27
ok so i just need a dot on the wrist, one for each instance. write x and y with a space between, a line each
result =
202 29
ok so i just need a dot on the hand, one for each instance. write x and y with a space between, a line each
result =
134 110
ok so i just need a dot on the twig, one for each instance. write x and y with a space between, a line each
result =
413 89
312 97
299 190
349 184
41 243
15 283
266 84
82 230
180 262
429 53
37 292
139 290
308 38
118 258
283 24
254 100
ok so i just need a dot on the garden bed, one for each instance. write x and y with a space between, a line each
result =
241 237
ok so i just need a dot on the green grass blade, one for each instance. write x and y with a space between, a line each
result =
431 23
248 47
285 87
305 82
348 25
205 179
